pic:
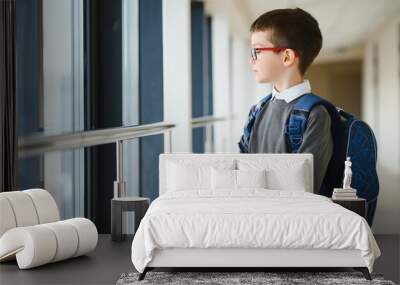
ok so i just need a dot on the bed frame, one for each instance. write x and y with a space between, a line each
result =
241 259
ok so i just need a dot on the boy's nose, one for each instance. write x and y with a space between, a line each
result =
251 61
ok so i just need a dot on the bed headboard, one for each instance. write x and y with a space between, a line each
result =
281 162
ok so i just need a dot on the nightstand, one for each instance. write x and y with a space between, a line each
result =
139 205
357 205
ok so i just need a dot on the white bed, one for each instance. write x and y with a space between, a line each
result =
192 224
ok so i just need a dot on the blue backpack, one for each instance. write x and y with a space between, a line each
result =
351 138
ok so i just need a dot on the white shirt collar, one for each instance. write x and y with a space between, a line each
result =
293 92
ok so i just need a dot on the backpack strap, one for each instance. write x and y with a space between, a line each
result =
297 122
253 114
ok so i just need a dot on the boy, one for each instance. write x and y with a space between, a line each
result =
284 44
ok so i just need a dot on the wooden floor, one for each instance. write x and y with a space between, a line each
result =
110 260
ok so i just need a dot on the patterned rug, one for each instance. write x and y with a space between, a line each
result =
225 278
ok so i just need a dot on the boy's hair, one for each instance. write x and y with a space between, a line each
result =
292 28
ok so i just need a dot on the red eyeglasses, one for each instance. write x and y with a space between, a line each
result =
254 51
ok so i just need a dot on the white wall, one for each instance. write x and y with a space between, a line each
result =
241 88
381 109
221 86
177 73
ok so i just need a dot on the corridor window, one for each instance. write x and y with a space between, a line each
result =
50 99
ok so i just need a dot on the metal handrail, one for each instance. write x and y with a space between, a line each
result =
37 144
42 143
205 121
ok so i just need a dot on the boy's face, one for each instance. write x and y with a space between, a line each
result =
269 65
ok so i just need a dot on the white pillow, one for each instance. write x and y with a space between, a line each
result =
237 179
283 173
251 178
293 178
186 175
223 179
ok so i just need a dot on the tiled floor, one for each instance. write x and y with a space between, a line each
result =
110 260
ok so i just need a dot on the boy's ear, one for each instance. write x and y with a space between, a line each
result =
288 57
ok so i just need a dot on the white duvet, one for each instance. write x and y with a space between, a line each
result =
251 218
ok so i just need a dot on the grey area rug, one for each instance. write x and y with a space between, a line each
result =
225 278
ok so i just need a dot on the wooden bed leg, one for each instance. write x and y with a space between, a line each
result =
364 271
143 274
